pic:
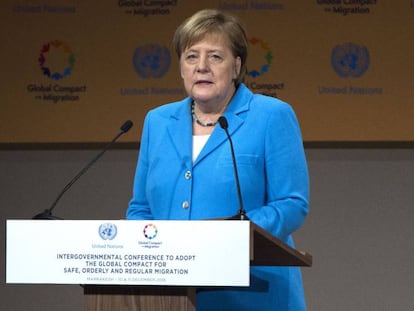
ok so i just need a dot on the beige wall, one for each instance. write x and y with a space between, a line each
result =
294 39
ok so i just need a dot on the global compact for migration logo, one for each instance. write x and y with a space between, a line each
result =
142 8
259 65
347 7
150 233
62 51
266 58
56 61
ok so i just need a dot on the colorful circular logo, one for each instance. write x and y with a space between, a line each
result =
60 50
267 58
350 60
151 61
150 231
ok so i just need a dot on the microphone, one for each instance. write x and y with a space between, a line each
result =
47 214
242 213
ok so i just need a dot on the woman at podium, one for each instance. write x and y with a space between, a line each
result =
186 171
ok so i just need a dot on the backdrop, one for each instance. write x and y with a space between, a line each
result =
74 71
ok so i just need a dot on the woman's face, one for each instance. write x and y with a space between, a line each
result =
208 69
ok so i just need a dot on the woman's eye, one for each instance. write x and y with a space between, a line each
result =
191 57
215 57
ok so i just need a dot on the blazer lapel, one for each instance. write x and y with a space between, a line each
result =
233 114
180 126
180 129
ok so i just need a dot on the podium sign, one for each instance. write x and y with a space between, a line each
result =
128 252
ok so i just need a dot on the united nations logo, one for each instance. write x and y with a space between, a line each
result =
108 231
350 60
151 61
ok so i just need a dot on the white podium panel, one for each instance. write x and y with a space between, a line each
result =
126 252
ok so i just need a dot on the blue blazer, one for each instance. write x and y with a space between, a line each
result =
273 179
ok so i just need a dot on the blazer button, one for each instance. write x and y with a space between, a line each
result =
187 175
185 205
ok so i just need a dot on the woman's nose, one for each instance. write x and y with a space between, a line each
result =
202 64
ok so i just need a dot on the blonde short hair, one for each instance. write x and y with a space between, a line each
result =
208 21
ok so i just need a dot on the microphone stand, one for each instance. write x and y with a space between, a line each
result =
242 212
47 213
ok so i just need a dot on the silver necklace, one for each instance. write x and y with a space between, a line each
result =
195 118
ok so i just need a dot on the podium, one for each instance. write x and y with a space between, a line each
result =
141 265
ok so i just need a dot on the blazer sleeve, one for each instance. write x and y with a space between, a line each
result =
287 181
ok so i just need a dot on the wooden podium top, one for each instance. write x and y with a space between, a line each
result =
267 250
